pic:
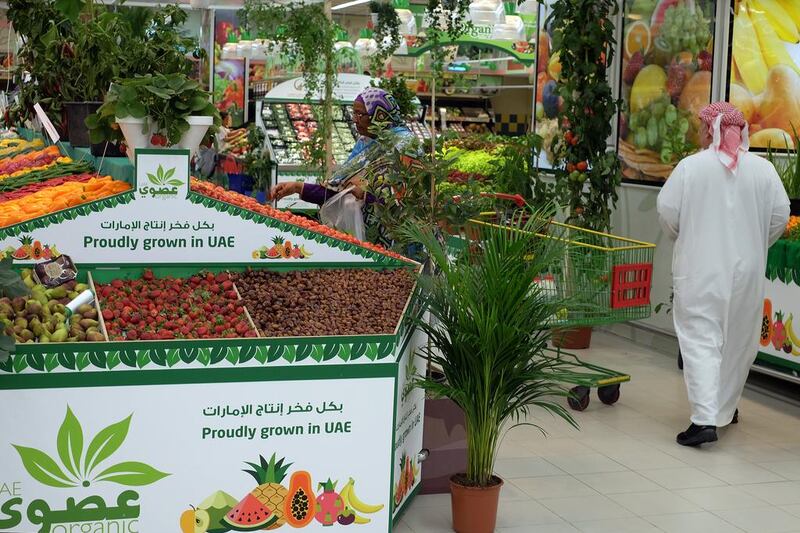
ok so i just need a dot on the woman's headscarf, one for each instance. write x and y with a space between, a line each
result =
381 106
729 131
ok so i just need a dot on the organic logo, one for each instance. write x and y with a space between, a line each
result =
80 468
162 178
164 184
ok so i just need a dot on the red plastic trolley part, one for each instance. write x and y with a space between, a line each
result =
630 285
516 198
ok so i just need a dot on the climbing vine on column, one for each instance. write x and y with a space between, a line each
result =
588 174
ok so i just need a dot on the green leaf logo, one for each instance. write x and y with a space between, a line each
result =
79 468
162 178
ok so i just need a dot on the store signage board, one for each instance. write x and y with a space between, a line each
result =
162 221
133 459
348 86
46 123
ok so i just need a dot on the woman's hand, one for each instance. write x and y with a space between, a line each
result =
288 188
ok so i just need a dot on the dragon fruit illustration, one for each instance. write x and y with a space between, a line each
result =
329 504
778 332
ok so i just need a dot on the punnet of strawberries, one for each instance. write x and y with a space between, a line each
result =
204 306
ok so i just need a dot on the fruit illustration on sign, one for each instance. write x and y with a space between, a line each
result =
207 517
300 503
270 491
792 339
778 332
637 39
329 504
353 504
766 323
649 85
249 515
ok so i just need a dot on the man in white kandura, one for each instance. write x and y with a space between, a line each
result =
724 207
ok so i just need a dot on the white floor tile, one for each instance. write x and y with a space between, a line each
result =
742 473
616 525
654 503
787 469
553 487
720 498
518 467
515 514
761 519
586 464
692 523
618 482
559 527
681 478
780 493
586 508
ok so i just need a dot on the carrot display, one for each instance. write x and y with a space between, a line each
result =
51 199
218 193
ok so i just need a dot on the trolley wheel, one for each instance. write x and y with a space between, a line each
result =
579 398
680 360
609 394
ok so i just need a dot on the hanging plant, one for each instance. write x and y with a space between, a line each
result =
587 174
386 33
448 16
304 35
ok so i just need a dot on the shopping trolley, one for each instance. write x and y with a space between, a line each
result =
605 279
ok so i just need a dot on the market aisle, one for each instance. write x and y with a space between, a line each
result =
623 472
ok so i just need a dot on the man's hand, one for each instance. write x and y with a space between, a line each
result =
288 188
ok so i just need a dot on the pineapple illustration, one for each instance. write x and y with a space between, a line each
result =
26 250
277 248
270 491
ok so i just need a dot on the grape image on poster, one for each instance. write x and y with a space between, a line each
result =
667 60
765 71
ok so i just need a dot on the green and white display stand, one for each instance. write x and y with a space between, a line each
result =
129 436
779 351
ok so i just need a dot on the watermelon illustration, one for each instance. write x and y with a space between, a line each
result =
249 515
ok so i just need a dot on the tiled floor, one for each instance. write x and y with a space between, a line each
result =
623 471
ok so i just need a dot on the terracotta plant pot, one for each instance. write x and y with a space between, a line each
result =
474 508
572 339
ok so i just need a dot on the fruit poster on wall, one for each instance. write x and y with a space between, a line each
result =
765 69
228 89
204 457
667 60
548 103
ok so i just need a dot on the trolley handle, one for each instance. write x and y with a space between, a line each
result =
516 198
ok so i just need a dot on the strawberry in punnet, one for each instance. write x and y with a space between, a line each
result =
167 308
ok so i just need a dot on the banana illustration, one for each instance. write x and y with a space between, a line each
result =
305 252
773 49
360 520
354 502
792 336
747 52
784 24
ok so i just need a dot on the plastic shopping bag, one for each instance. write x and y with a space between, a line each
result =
344 212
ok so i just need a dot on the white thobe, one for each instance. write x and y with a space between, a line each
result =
723 224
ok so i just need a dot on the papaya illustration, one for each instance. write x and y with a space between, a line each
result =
766 323
300 502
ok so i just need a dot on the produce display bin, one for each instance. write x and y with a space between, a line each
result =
206 434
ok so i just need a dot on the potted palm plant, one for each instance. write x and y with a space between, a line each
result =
488 333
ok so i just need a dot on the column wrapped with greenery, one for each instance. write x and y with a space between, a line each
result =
588 174
304 34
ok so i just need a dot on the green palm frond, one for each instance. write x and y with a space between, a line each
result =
488 332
